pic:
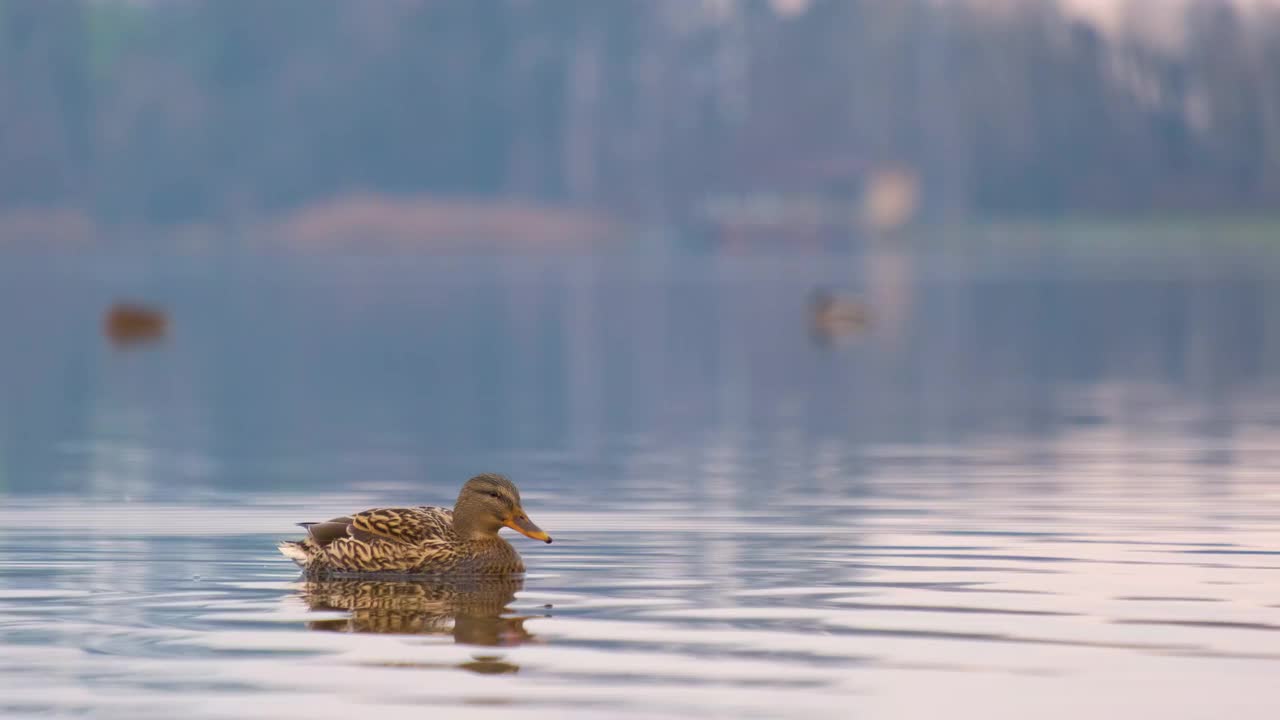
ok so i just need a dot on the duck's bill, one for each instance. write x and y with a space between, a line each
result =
523 525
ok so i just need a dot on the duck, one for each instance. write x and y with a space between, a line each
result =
133 323
391 543
833 317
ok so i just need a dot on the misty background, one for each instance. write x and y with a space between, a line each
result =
663 112
845 347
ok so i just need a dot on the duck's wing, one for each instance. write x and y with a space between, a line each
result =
323 533
412 526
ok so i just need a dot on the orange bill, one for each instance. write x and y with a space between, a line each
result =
523 525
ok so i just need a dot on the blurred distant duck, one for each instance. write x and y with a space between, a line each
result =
832 316
388 542
130 323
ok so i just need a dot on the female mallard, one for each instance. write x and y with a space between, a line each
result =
129 324
833 317
421 540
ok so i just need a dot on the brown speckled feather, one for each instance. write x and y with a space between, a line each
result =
413 540
410 526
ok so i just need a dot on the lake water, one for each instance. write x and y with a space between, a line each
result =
1044 483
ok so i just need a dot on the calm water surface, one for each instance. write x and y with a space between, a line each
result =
1043 484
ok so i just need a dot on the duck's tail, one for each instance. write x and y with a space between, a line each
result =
296 550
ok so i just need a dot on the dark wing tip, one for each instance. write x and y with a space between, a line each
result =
323 533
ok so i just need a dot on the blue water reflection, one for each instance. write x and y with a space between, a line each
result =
1039 474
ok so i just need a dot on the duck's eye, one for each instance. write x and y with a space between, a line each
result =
492 494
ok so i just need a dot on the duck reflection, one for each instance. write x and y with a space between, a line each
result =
471 610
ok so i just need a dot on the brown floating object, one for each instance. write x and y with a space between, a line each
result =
833 317
390 543
129 323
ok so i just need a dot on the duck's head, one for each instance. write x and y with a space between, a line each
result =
489 502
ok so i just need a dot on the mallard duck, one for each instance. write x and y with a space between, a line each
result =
833 317
388 542
129 323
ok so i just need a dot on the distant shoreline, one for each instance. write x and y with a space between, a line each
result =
377 221
347 221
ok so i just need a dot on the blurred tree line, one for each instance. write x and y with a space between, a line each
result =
185 110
